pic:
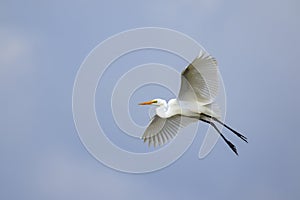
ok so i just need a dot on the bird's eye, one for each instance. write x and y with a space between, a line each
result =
154 101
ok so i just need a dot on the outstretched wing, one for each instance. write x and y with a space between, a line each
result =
199 81
161 130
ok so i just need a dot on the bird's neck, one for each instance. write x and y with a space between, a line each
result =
162 110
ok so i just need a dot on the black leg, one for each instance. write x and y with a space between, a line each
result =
234 131
233 148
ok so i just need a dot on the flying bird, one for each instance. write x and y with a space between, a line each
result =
196 101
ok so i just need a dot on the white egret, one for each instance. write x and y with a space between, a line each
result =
199 88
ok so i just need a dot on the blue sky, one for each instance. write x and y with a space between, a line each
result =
42 45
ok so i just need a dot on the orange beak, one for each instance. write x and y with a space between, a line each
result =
146 103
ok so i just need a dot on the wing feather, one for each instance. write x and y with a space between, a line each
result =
161 130
199 81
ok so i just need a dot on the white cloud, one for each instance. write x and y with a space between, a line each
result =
59 174
16 52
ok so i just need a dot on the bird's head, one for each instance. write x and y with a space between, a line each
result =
155 102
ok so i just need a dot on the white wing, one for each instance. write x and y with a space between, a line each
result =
160 130
199 81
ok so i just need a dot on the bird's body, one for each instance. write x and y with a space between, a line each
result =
184 108
199 88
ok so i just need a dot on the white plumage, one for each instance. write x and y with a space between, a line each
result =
199 88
